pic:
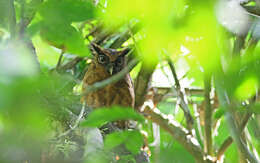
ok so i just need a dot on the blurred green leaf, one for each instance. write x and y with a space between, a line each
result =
133 140
56 28
65 37
247 88
241 78
255 108
4 15
219 113
115 139
103 115
231 154
67 11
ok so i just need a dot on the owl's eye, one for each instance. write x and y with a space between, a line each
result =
102 59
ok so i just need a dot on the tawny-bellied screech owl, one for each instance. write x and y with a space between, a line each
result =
106 63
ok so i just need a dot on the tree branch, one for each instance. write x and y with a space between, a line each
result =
80 116
238 45
59 60
229 140
251 46
178 133
12 19
235 133
71 64
236 137
226 103
28 11
180 94
208 116
141 83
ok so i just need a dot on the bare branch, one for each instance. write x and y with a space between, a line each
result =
12 19
60 59
178 133
238 45
71 63
81 114
180 94
235 133
251 46
208 116
26 18
229 140
236 136
141 83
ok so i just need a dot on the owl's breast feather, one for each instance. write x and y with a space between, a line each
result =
119 93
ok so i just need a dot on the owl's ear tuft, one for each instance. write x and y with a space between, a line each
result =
125 51
96 49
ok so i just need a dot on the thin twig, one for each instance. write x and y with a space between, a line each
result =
71 64
59 60
81 114
22 19
112 79
229 140
238 45
235 133
180 94
141 83
251 46
12 19
208 116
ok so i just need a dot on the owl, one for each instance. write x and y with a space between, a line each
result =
108 62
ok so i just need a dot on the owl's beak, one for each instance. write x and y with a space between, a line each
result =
109 68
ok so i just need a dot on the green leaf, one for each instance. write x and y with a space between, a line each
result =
64 36
103 115
115 139
219 113
133 140
255 108
4 15
67 10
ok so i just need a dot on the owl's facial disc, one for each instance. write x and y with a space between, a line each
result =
105 61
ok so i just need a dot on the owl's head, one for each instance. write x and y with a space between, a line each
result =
112 60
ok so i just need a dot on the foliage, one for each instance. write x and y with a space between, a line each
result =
103 115
196 85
